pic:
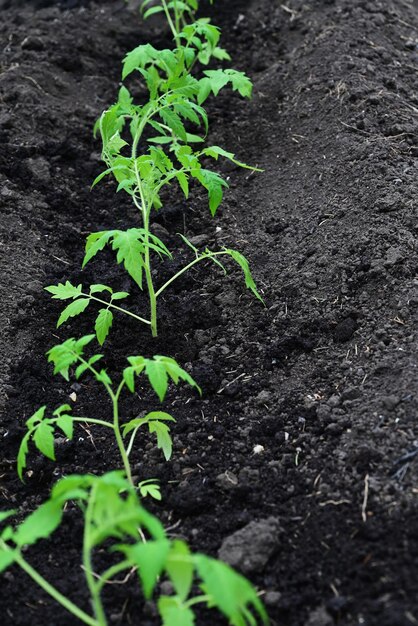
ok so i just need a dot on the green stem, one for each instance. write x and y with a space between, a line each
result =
118 434
171 23
88 565
92 420
185 269
118 308
54 593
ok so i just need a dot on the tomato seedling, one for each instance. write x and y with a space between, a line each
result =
115 521
159 370
175 97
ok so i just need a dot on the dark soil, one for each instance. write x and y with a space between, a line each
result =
324 378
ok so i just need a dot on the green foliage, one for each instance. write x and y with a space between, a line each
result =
113 515
159 371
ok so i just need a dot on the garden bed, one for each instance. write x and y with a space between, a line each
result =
309 404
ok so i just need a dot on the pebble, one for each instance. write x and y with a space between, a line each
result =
250 548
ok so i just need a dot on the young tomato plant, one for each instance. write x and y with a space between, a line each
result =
175 98
159 370
115 522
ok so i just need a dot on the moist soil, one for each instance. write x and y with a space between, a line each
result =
305 436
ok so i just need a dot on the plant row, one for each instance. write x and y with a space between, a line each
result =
147 147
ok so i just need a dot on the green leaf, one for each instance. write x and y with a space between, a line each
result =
62 408
103 324
152 11
129 378
120 295
99 288
140 421
40 524
4 515
244 265
214 184
22 454
230 592
180 568
7 557
149 488
183 182
130 251
44 439
164 441
64 291
73 309
37 417
150 558
96 242
174 122
158 378
174 612
65 422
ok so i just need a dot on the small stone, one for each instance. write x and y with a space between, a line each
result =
352 393
272 598
319 617
32 43
263 397
199 240
250 548
390 402
39 169
227 480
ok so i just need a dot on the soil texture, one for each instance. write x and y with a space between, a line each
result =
299 463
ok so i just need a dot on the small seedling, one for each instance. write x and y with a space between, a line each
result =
159 370
175 97
115 521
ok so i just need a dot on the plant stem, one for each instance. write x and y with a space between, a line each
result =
118 308
88 565
185 269
91 420
118 434
54 593
170 23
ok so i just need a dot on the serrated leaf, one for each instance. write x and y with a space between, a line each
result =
38 416
174 122
103 324
164 441
158 378
73 309
66 423
244 265
64 291
103 377
150 558
22 454
43 438
183 182
96 242
230 592
130 251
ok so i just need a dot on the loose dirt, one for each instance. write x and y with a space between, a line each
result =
295 463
